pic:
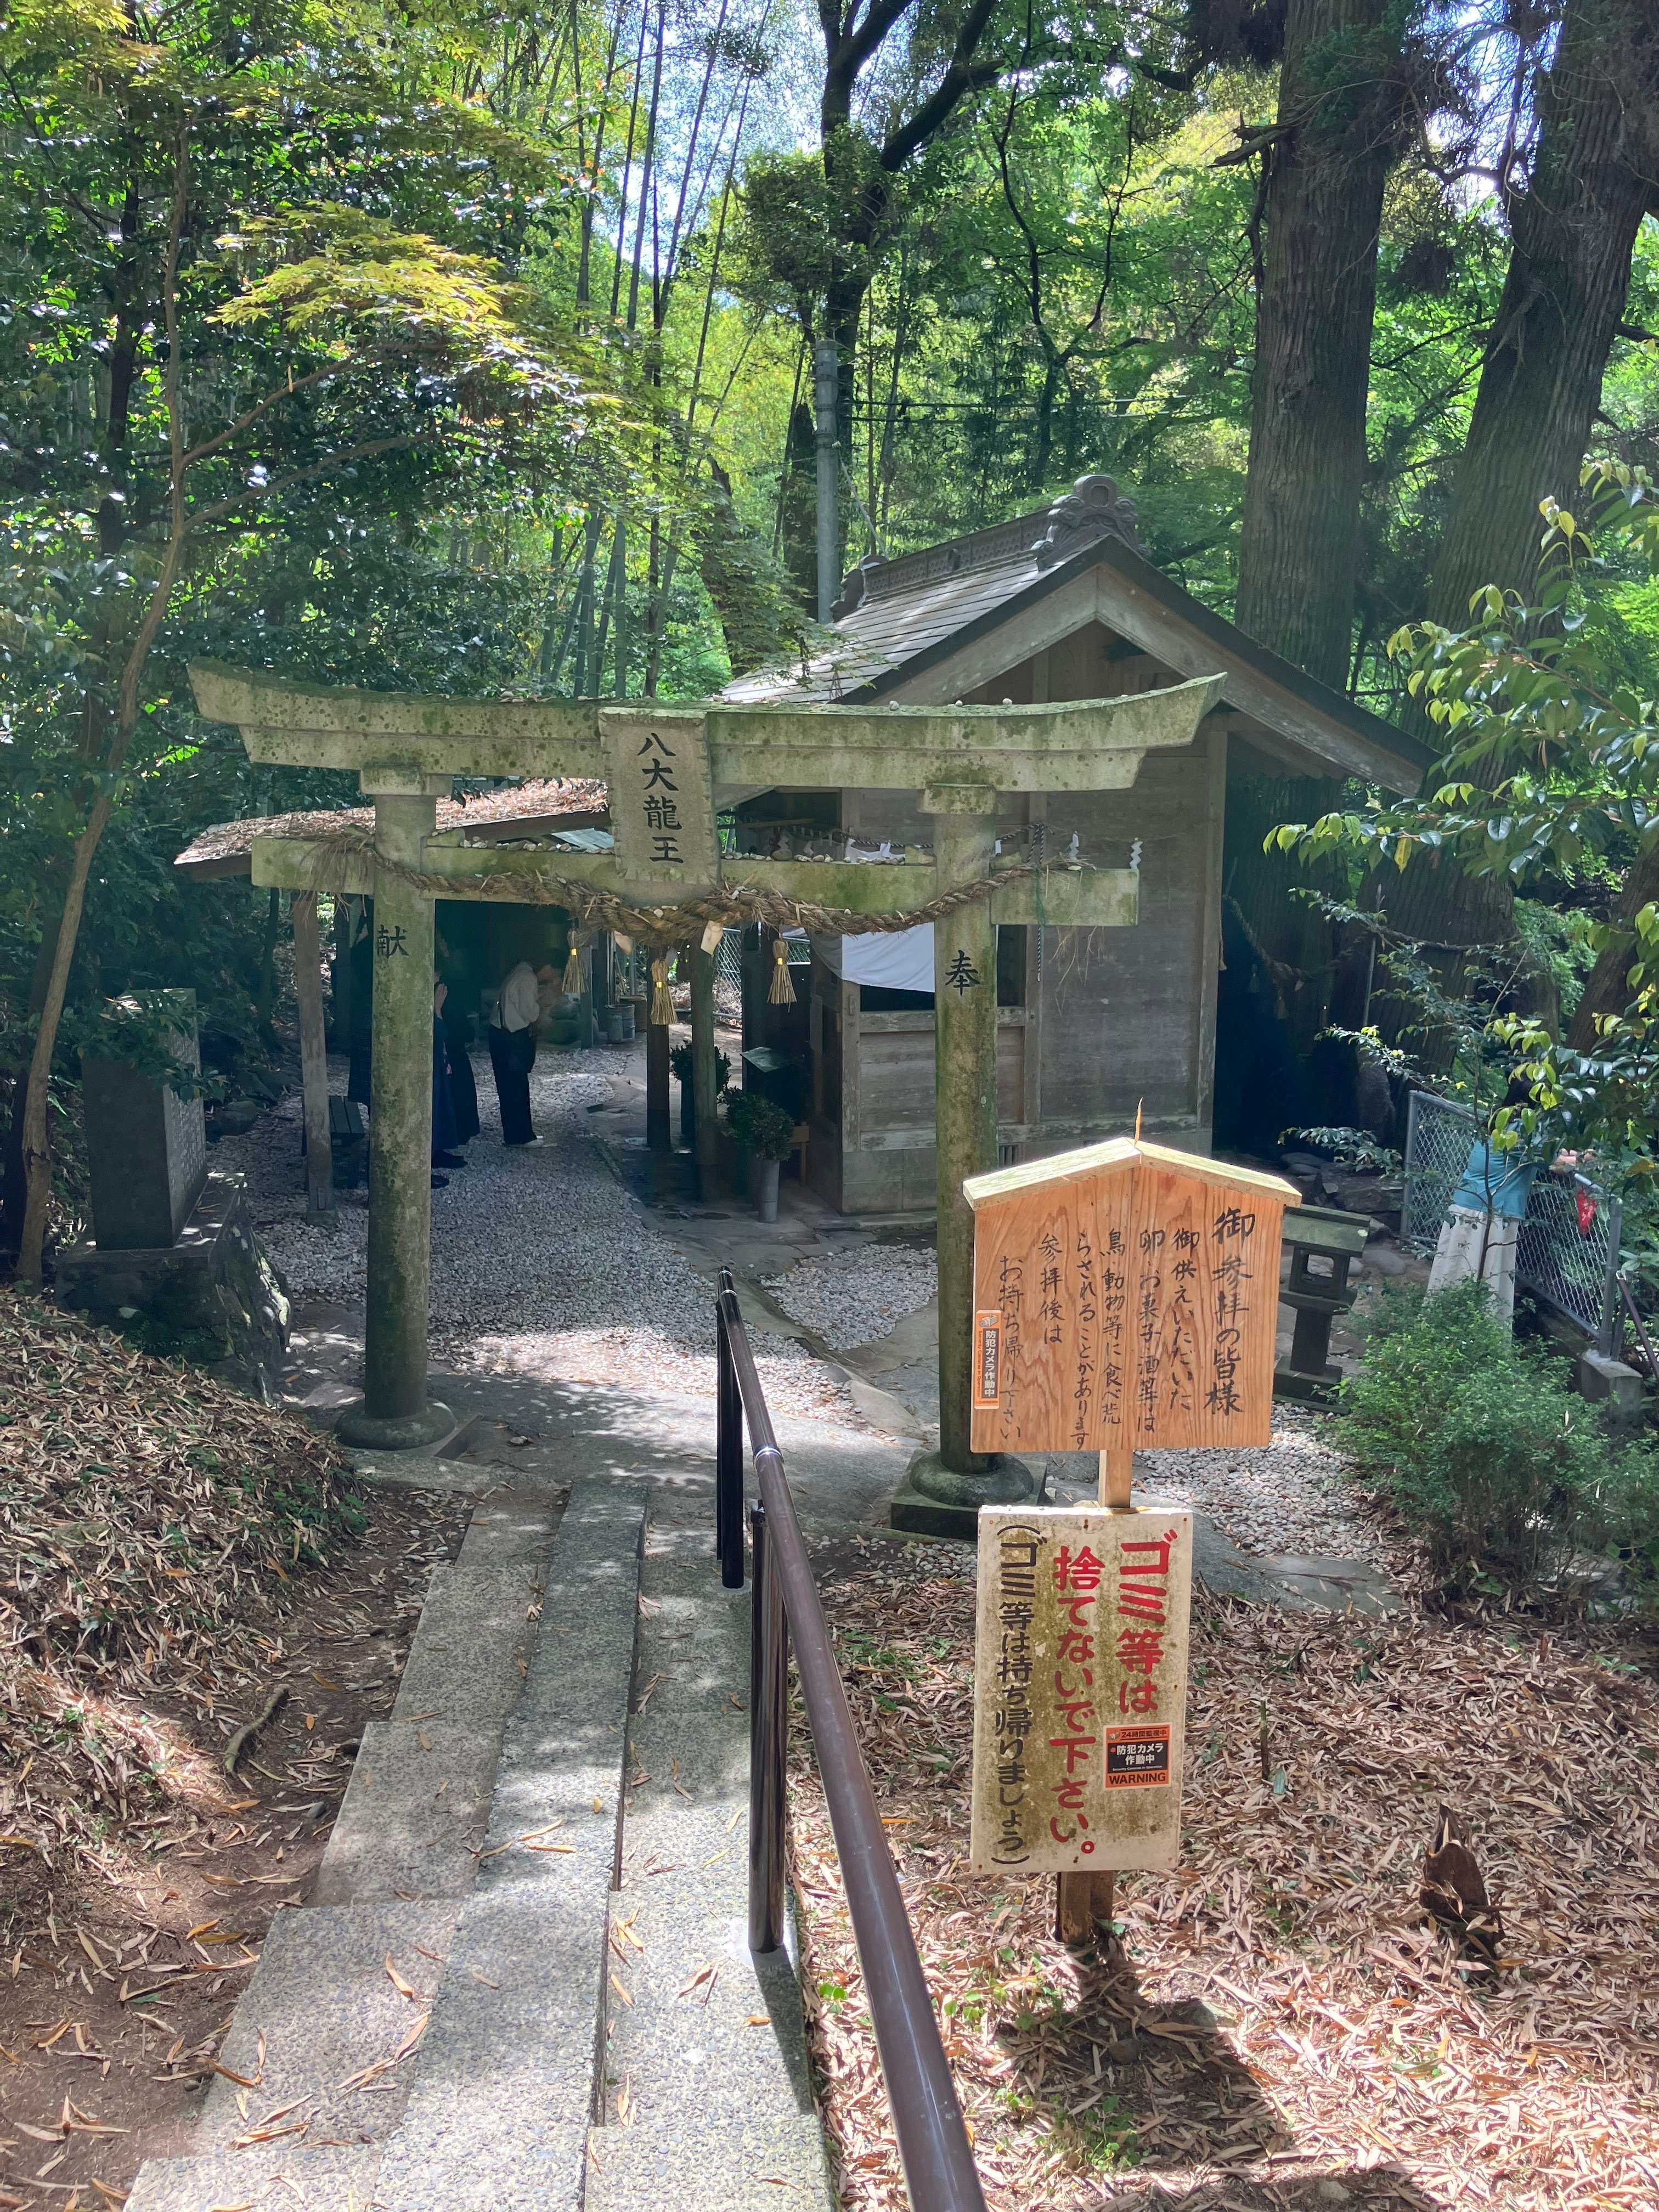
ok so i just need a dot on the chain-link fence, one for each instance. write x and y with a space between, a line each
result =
1567 1253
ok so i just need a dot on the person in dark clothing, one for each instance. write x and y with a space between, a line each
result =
445 1139
457 1029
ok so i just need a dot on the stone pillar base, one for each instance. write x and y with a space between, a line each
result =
935 1500
366 1432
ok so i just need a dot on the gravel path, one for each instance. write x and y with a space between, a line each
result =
1292 1496
542 1264
853 1297
544 1267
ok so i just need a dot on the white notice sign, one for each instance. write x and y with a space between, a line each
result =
1080 1687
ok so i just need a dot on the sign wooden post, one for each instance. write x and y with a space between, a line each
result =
1126 1299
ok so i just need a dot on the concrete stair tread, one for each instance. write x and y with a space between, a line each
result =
326 2009
477 1624
682 1909
754 2164
412 1822
415 1808
328 2179
498 2114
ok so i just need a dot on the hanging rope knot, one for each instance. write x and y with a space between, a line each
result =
662 1006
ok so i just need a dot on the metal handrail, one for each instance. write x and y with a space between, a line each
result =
940 2173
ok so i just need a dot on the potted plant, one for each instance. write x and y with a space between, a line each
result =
768 1134
680 1060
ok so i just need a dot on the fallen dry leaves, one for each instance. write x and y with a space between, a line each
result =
148 1514
1285 2026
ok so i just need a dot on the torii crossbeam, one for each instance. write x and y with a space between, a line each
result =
669 768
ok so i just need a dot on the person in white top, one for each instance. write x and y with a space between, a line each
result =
513 1012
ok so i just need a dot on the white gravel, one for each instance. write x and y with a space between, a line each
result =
856 1296
1291 1498
542 1264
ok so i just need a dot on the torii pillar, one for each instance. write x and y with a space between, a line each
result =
395 1414
965 1133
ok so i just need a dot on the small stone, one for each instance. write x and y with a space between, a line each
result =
1332 2192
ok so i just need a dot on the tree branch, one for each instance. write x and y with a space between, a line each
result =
274 399
226 508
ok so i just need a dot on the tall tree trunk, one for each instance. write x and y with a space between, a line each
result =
37 1138
1326 160
1336 140
1573 230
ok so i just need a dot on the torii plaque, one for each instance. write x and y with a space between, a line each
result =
673 880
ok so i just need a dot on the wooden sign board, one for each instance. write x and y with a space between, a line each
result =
1126 1297
662 807
1080 1688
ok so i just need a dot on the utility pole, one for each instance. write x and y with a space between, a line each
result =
826 378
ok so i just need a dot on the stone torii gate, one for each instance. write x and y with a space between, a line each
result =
667 883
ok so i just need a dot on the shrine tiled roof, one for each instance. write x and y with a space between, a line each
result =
899 619
535 808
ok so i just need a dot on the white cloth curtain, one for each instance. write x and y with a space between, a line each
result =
895 960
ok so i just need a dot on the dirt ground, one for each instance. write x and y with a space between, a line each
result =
1278 2026
120 1970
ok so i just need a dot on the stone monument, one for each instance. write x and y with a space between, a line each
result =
146 1145
175 1265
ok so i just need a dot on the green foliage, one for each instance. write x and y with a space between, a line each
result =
1506 1475
272 320
1550 716
1347 1148
759 1126
1551 759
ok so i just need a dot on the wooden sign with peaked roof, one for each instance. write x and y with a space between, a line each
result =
1126 1299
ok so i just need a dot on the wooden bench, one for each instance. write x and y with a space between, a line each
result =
348 1137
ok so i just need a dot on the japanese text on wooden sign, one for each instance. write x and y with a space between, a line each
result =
662 812
1131 1301
1080 1688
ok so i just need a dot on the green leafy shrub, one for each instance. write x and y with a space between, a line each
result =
759 1126
1508 1475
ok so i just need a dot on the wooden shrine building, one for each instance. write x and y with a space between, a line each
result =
1059 604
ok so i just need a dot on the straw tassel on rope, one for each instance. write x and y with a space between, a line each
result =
782 993
662 1006
572 971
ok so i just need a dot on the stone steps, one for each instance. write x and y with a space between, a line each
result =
505 2080
415 1808
707 2095
526 1853
318 2032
